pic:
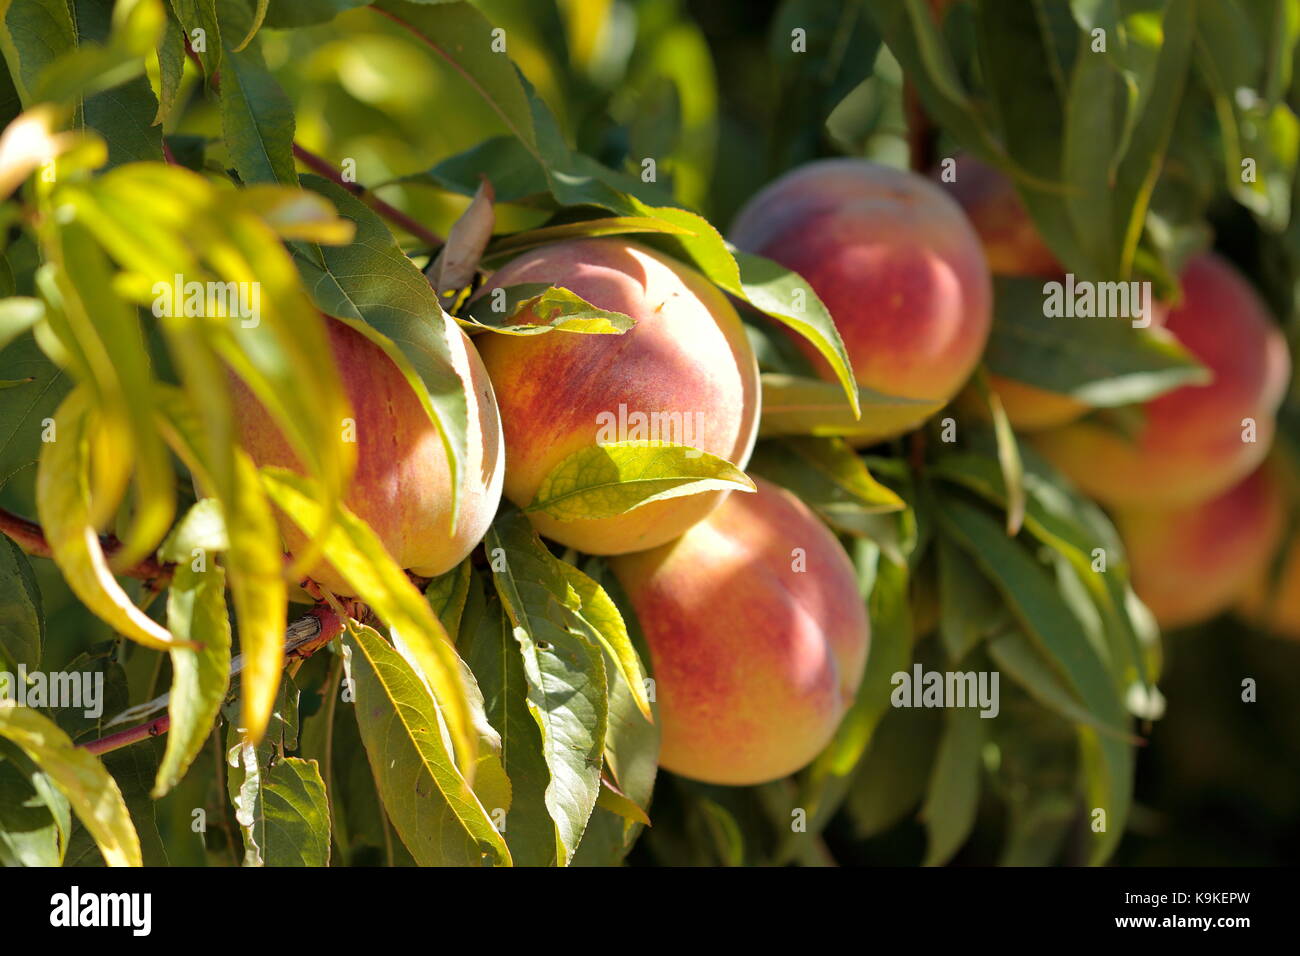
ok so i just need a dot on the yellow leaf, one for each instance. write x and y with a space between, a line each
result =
361 558
62 502
90 789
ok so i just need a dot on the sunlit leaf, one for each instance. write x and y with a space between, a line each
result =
81 778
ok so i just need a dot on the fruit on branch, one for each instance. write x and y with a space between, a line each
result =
686 364
1010 239
895 262
1192 562
1197 440
757 634
1273 603
402 484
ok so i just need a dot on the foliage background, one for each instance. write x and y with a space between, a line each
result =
705 85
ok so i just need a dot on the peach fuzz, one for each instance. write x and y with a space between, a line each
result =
687 353
1192 443
402 483
894 260
755 661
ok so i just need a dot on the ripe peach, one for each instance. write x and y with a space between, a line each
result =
687 356
894 260
402 485
1011 241
758 638
1192 443
1192 562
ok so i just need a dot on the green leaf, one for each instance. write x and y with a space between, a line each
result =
81 778
304 13
202 15
251 770
22 618
35 33
604 622
546 309
892 778
1104 362
826 474
515 173
794 405
372 283
113 48
462 36
432 807
196 611
498 663
841 45
24 413
970 609
1075 528
582 229
447 594
34 816
257 120
133 769
360 557
567 687
1013 477
909 30
295 820
953 793
1024 662
604 480
171 67
890 612
1111 172
616 802
631 751
1032 596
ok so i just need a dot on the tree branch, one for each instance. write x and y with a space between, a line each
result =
302 638
29 536
322 166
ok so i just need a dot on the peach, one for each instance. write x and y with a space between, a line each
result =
895 262
402 484
758 637
1194 441
686 357
1192 562
1011 241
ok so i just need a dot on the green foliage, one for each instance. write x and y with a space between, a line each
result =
512 720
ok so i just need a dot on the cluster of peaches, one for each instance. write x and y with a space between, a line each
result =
751 609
